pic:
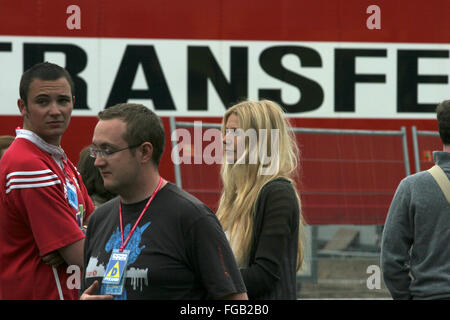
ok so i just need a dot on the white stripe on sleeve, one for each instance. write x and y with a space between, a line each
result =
28 173
31 179
33 185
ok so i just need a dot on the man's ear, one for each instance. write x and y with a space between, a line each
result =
147 151
22 107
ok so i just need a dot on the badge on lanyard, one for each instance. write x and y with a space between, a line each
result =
114 279
72 195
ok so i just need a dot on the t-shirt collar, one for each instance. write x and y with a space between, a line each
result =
54 151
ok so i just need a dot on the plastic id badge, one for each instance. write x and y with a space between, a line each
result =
72 195
115 290
114 279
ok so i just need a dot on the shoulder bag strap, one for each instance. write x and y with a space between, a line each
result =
442 180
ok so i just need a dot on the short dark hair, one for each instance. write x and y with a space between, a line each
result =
142 125
43 71
443 118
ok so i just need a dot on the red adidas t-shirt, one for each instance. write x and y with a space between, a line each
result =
36 219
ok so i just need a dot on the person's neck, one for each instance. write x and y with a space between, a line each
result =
143 190
446 147
55 140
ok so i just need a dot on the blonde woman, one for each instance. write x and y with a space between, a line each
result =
260 208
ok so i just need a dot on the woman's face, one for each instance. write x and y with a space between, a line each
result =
230 140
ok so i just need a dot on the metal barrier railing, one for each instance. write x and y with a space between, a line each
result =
310 273
415 134
180 124
401 133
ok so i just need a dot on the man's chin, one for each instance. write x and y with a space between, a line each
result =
109 187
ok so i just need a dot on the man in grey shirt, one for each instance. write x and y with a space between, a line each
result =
415 248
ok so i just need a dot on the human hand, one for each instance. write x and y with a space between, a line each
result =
89 293
53 259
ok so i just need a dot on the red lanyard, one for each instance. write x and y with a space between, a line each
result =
124 244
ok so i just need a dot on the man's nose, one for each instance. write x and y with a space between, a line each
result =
99 161
54 108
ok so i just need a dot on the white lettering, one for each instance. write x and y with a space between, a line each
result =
74 20
74 281
194 310
213 153
374 281
374 21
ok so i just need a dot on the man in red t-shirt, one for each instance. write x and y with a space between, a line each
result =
43 201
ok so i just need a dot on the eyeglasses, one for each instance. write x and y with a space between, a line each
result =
105 153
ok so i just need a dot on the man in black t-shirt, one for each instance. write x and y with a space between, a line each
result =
163 242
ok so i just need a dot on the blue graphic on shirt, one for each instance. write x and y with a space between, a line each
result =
115 242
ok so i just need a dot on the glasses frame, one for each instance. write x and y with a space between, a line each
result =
94 153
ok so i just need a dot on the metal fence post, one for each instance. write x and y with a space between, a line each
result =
405 151
416 148
176 166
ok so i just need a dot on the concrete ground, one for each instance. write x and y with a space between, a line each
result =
345 278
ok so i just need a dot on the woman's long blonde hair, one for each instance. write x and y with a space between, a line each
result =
243 181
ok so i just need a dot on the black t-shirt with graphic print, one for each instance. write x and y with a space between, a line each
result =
178 250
